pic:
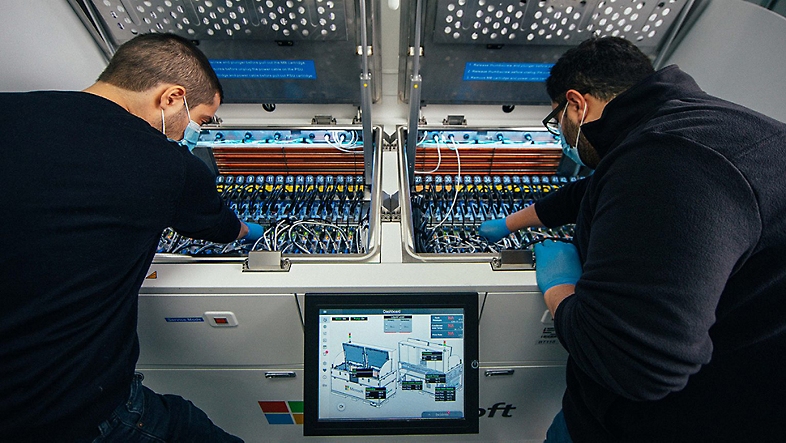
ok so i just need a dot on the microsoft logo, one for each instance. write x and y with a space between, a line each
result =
283 412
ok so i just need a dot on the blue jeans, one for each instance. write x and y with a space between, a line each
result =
558 431
148 417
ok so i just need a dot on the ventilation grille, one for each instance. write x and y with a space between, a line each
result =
228 19
558 22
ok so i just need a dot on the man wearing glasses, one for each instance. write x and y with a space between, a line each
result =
672 299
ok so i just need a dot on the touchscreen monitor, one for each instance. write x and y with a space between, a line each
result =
391 364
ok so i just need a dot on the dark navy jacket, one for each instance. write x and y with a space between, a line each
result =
87 189
677 328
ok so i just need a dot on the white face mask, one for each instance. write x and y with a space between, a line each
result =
191 133
572 152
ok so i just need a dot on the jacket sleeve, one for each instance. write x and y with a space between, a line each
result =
200 212
562 206
670 224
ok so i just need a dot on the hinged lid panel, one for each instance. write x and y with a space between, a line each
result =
264 51
501 51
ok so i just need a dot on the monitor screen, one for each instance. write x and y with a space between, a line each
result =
391 364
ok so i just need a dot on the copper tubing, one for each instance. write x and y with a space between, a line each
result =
489 160
475 159
288 160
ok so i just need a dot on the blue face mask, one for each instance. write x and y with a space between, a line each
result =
572 152
191 133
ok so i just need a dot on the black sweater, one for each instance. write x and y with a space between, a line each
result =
87 189
677 328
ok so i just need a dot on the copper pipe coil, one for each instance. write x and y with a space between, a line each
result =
490 160
328 160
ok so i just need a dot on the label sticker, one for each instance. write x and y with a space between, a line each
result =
184 319
549 336
265 69
506 72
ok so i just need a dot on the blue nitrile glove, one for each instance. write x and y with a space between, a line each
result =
494 230
556 263
255 232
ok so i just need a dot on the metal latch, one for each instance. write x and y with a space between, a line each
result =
369 50
391 210
455 120
214 122
358 118
266 261
513 260
323 120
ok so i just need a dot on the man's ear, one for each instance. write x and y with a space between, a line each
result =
171 96
575 102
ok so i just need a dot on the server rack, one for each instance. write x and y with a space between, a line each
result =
225 329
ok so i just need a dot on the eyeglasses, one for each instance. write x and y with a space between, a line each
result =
550 122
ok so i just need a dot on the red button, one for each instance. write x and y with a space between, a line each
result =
221 320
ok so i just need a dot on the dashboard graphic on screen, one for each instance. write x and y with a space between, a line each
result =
397 363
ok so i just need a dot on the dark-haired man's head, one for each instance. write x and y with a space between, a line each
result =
584 80
164 80
602 67
152 59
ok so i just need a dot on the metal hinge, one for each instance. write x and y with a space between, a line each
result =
358 118
513 260
455 120
323 120
266 261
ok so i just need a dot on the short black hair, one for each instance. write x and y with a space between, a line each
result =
148 60
602 67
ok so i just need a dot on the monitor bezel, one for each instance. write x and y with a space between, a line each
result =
314 302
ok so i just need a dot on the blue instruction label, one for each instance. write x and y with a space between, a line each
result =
506 72
265 69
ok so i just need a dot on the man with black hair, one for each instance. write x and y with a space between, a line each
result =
90 180
672 303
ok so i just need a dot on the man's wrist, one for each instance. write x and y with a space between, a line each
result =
243 230
556 294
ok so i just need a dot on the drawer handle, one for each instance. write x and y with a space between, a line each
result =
496 372
288 374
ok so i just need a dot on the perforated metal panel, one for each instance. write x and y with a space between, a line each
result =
500 51
235 19
264 51
558 22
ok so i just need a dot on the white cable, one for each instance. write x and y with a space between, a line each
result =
455 184
351 149
439 158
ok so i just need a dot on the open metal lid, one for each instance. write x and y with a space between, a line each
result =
264 51
500 51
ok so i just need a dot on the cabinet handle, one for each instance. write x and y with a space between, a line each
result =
495 372
287 374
